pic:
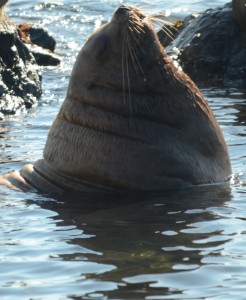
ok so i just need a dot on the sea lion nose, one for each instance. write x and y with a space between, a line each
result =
123 9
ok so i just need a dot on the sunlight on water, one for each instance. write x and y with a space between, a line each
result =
183 245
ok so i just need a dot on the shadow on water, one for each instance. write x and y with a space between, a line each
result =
145 233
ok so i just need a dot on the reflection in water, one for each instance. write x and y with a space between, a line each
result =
130 244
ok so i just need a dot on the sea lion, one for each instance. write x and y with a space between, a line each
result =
239 12
130 121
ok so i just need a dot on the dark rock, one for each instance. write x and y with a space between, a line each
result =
42 38
8 38
38 36
170 32
211 49
44 57
41 44
20 81
9 104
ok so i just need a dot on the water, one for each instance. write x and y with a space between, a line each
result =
182 245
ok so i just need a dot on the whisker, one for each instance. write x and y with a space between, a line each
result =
130 29
135 46
139 28
137 33
134 38
166 30
134 22
137 25
144 6
161 21
131 50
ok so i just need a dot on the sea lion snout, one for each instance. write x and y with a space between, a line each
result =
128 12
122 13
123 9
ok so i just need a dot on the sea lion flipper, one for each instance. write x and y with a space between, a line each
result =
39 182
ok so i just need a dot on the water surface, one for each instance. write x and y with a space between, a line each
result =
186 244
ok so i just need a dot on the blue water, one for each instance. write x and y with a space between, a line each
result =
182 245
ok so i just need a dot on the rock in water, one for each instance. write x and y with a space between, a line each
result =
211 48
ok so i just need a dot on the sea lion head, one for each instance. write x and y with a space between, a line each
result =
131 119
118 56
